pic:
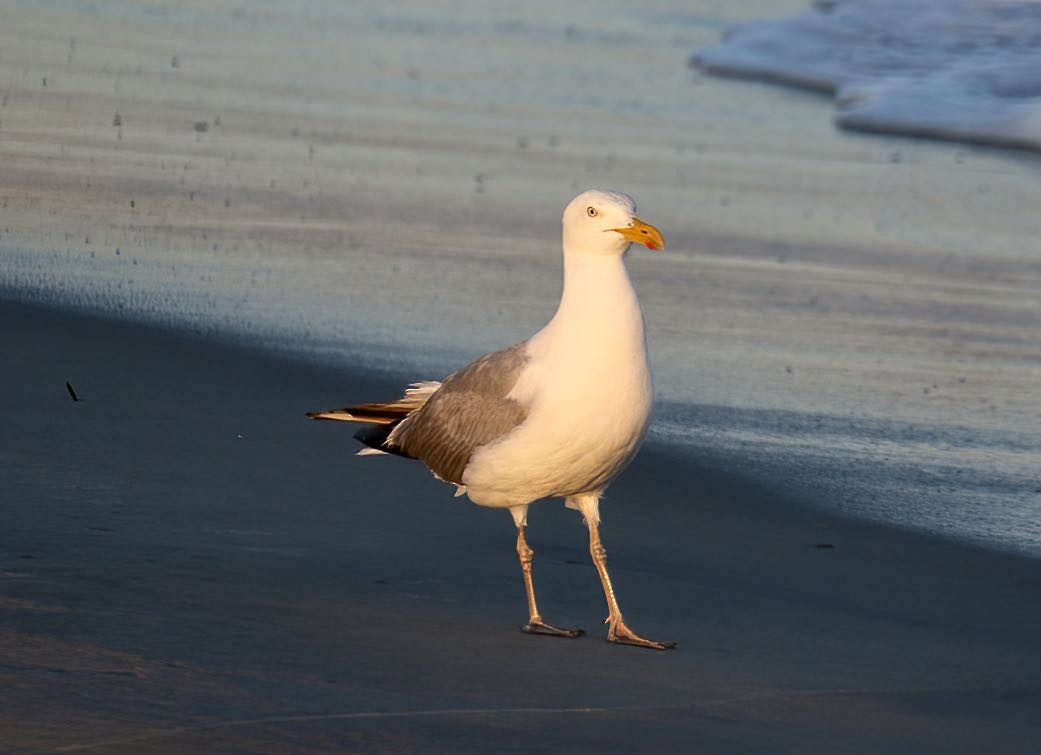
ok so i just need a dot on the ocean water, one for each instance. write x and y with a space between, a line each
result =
966 70
852 320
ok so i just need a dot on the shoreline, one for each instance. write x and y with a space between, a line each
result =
188 562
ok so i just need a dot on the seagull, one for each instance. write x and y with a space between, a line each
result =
557 416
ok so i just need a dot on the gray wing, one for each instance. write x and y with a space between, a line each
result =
469 410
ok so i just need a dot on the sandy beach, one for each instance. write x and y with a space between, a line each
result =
188 565
217 217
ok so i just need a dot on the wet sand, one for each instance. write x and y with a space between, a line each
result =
187 564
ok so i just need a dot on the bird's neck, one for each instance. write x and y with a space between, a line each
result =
598 300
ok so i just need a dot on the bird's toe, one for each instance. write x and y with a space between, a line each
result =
540 627
621 634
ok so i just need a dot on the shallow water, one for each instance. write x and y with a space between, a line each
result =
961 482
967 70
854 319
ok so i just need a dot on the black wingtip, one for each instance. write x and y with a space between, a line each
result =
71 390
375 436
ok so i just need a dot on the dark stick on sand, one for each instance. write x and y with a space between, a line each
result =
71 390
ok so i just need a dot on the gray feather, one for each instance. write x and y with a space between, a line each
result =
469 410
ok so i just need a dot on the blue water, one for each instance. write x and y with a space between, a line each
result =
967 70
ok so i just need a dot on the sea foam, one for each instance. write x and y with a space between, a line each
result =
964 70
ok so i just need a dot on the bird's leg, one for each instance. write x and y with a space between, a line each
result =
617 631
535 623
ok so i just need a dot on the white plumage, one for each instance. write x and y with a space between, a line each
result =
586 383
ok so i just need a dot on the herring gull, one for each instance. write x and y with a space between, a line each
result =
557 416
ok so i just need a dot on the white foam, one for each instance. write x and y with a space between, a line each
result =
965 70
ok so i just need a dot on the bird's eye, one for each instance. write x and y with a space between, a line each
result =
591 212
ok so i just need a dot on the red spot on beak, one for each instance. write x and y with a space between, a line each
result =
650 245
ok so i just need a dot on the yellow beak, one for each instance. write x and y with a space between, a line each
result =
642 233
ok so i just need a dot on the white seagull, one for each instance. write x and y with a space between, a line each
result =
557 416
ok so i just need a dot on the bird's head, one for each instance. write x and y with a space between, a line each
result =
604 222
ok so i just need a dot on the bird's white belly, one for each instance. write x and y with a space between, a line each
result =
586 425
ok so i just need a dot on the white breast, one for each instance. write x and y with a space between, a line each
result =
589 395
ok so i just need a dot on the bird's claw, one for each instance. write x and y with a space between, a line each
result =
537 626
623 635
